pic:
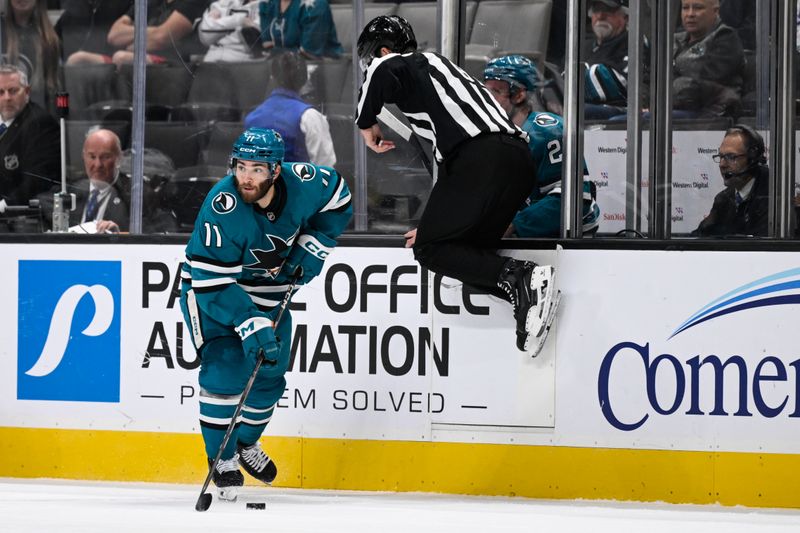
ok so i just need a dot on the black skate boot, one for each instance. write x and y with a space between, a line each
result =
227 478
257 463
528 287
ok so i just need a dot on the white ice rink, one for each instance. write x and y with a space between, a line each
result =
63 506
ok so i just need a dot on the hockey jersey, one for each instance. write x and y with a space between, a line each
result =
233 259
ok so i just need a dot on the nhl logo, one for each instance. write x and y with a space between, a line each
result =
223 203
11 162
304 171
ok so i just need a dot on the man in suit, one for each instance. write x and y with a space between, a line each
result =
105 195
743 207
30 153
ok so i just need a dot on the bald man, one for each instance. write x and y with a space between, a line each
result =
105 196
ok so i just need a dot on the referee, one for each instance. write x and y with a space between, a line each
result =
485 170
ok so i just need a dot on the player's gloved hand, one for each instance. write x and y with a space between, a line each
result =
258 337
308 253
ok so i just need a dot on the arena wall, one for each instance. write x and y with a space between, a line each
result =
669 376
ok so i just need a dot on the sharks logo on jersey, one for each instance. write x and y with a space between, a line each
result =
223 203
269 261
545 120
304 171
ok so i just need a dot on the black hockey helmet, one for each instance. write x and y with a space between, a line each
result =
391 31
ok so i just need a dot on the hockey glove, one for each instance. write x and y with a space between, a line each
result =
258 337
308 253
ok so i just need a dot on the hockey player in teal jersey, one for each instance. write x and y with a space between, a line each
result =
259 225
512 80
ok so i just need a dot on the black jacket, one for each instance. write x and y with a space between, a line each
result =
154 218
708 74
750 218
30 156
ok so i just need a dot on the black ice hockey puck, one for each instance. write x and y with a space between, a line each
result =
256 505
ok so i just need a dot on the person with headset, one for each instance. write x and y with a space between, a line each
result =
742 208
261 226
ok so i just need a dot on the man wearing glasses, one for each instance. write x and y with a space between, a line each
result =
742 208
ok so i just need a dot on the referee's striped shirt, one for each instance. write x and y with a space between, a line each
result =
444 104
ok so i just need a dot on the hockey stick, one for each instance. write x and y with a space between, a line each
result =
204 500
397 126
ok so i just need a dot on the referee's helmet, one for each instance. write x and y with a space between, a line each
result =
518 71
391 31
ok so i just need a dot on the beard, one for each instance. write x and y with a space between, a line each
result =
253 195
602 30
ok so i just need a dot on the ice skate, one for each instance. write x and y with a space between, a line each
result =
257 463
551 315
528 288
227 478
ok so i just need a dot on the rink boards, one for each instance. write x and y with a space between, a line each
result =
669 376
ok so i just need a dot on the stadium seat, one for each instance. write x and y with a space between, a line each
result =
511 25
252 83
184 192
423 18
343 20
220 142
340 121
88 84
327 80
212 96
183 142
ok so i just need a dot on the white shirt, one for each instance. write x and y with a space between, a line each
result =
319 144
745 191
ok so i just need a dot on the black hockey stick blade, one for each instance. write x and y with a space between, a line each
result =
204 500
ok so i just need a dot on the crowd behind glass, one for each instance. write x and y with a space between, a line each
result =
211 65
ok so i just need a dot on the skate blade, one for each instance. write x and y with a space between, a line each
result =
548 303
541 339
228 494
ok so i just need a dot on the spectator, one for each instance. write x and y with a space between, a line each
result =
230 29
83 29
103 196
742 208
708 64
170 32
30 40
511 80
606 68
29 141
304 130
299 25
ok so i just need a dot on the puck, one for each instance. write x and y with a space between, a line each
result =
256 505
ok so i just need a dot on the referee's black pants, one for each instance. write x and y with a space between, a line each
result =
479 189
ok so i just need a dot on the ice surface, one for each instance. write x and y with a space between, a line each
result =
67 506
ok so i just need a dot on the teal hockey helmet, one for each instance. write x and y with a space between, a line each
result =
258 144
518 71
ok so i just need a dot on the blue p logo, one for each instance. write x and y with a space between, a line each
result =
69 331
